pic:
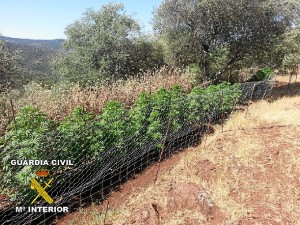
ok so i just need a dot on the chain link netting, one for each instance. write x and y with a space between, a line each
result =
103 161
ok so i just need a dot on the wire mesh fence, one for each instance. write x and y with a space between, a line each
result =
99 154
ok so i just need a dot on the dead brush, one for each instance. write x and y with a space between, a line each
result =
6 111
60 100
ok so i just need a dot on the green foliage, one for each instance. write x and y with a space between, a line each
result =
160 113
195 105
32 59
147 53
23 141
177 108
291 47
82 138
208 104
138 117
111 126
217 35
151 114
75 131
263 74
105 45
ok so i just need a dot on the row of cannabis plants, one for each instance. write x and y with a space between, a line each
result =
82 137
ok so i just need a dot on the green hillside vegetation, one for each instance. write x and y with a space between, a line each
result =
35 57
55 44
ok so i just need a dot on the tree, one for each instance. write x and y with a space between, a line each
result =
8 63
291 47
220 35
103 45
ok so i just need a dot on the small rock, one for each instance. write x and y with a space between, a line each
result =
190 196
148 215
205 169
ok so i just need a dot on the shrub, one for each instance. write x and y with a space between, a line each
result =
204 105
22 141
177 108
75 132
195 102
138 118
160 113
263 74
110 127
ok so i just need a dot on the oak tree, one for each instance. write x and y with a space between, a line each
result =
219 35
105 44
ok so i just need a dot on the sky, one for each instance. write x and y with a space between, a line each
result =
47 19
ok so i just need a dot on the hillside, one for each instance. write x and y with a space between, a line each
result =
36 56
247 174
42 44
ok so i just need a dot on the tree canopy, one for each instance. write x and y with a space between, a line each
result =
219 35
105 45
290 47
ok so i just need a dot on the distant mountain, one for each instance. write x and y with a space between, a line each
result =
36 57
49 44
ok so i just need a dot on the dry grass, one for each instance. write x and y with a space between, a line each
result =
285 78
257 164
60 100
246 148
